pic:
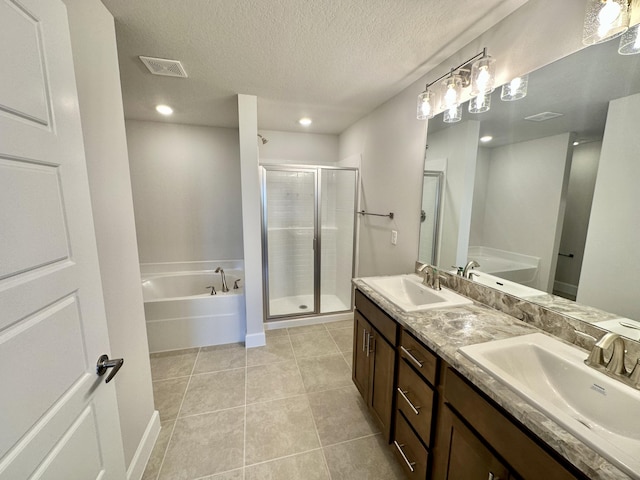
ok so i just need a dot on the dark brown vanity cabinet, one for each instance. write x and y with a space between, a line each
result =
374 359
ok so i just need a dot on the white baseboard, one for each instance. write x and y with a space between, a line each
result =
145 447
255 340
565 288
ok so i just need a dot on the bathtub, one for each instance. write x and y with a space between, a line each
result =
181 313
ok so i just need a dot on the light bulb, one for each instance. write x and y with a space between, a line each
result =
164 109
515 84
630 41
452 114
515 89
483 72
305 122
605 19
425 105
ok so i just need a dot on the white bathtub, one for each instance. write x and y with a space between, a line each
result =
181 313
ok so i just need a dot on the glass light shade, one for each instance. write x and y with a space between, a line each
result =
480 104
453 114
630 41
451 92
483 75
604 20
515 89
426 105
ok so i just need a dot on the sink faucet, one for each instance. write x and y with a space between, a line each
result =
431 277
224 280
472 264
615 364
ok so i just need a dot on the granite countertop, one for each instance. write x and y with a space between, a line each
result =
445 330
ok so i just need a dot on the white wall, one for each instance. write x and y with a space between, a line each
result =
391 141
528 177
298 148
582 180
611 266
186 191
100 98
459 146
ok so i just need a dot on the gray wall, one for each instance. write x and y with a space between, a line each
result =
611 264
186 191
97 76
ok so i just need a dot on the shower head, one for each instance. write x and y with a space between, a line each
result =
264 140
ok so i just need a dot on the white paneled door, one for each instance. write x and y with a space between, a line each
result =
58 418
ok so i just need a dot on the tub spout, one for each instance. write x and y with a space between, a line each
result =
224 280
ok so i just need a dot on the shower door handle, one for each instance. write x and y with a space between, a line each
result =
315 241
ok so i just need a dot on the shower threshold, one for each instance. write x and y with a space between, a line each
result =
303 305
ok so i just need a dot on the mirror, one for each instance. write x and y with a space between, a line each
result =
550 207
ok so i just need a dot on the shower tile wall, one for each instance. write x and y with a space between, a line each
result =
291 228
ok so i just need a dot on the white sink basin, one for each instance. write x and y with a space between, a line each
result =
552 375
408 293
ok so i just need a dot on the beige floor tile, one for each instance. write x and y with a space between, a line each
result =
278 349
343 338
233 475
208 392
366 458
221 357
348 357
340 324
307 466
313 344
205 445
157 454
167 396
318 327
273 381
340 415
276 332
279 428
324 373
172 364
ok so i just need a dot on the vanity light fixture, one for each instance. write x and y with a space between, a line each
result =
305 121
480 104
515 89
478 71
630 41
453 114
164 109
604 20
486 138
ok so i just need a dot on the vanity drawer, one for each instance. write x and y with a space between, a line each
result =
380 320
410 452
414 398
418 356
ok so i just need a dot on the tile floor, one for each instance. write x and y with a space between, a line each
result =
285 411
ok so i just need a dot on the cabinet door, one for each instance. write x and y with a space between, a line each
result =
361 342
381 387
464 456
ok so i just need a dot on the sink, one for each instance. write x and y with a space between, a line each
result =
552 375
408 293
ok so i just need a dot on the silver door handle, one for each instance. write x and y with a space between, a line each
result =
364 338
404 457
406 399
104 363
368 343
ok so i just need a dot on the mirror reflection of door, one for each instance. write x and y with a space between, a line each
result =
430 217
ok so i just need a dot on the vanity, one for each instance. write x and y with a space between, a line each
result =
443 415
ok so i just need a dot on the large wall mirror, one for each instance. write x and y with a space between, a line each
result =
550 205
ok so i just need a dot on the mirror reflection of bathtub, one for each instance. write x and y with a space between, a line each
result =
181 313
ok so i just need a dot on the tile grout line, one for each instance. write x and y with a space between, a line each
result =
177 415
246 388
315 426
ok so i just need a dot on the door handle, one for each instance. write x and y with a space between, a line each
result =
104 363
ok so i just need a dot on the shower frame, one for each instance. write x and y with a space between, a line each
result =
317 239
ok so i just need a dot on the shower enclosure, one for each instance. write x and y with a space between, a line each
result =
308 239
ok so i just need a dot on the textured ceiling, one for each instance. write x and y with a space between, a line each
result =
332 60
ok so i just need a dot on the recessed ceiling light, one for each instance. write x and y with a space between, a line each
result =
486 138
575 144
305 122
164 109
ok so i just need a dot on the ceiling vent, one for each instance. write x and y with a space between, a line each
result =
541 117
162 66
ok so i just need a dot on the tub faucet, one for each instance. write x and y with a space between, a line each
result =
224 280
472 264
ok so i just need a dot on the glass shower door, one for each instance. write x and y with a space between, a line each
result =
337 225
430 217
289 209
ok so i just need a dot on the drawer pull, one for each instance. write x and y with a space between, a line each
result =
364 338
411 357
404 457
406 399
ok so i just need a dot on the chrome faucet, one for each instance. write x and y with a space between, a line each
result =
472 264
224 280
431 277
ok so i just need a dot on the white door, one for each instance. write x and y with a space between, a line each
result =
58 419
